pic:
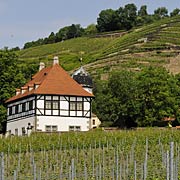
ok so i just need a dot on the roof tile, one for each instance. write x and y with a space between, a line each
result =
53 80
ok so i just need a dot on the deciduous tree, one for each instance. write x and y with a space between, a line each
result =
10 78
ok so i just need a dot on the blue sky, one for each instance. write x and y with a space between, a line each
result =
26 20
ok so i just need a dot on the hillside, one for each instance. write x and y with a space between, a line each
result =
157 44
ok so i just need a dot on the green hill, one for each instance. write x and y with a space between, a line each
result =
156 44
69 51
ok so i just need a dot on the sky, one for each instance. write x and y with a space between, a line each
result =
23 21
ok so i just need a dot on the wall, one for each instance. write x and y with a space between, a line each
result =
62 123
22 123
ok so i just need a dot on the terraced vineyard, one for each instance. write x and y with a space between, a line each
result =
68 51
156 44
151 154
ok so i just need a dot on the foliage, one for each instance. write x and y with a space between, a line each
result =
124 18
11 77
68 32
175 12
161 12
138 99
124 90
158 96
107 20
90 30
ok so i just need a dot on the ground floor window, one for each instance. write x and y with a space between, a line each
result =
74 128
9 132
51 128
23 131
16 132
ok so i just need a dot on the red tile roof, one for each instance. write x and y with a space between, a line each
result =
53 80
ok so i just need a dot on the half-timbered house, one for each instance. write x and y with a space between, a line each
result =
51 101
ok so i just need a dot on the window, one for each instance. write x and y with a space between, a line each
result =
54 128
51 128
23 107
76 106
16 132
48 97
52 104
55 97
9 132
94 122
48 104
55 104
71 128
77 128
10 110
72 106
16 109
23 131
31 105
74 128
48 128
79 106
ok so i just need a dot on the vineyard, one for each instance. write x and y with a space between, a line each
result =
121 155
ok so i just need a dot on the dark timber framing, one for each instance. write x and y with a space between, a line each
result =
22 109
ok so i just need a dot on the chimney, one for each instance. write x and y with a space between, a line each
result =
18 91
41 66
55 60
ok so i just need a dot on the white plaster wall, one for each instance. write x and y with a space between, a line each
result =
97 122
64 105
86 106
40 103
63 123
12 125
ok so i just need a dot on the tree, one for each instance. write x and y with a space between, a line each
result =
143 98
143 11
143 17
74 31
15 49
124 91
107 21
51 39
130 11
62 34
175 12
10 78
91 29
161 12
157 96
116 99
102 105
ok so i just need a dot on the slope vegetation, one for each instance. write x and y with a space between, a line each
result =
156 44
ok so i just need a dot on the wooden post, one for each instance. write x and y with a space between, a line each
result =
171 160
